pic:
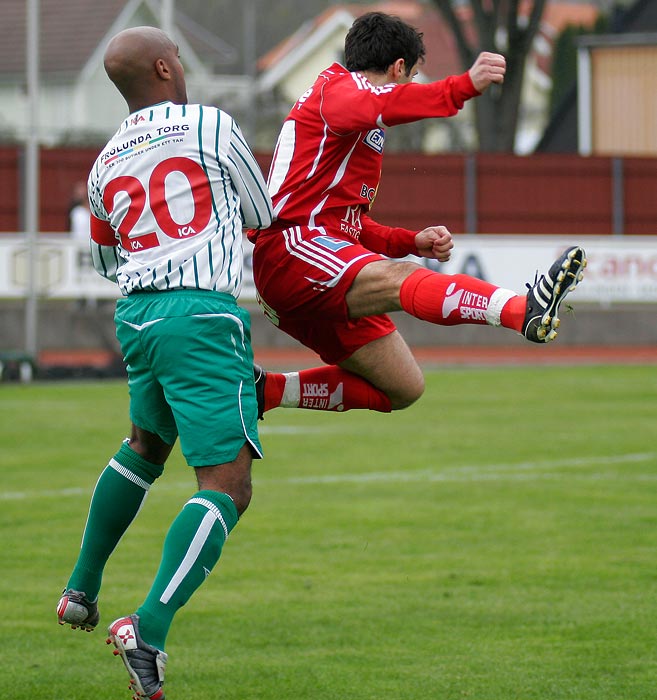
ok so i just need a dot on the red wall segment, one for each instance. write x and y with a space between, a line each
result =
538 194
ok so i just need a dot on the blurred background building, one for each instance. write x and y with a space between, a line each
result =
254 58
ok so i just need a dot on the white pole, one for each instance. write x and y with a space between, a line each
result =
250 65
584 101
167 17
32 176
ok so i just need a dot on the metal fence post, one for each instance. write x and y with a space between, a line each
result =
617 197
470 187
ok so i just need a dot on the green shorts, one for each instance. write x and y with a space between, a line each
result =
190 371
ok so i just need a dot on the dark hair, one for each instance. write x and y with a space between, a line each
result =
376 40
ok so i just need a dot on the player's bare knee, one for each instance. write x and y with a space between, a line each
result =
240 493
149 445
376 288
408 394
242 497
233 479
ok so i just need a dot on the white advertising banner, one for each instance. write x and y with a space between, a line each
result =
620 269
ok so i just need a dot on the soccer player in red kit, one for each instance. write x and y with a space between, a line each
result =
323 270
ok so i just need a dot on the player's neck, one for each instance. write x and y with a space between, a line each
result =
377 78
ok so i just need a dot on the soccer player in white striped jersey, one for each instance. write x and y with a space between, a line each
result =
170 194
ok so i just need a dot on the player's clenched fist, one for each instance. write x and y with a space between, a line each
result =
434 242
488 68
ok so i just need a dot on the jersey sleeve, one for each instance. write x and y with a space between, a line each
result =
106 260
255 202
354 104
105 255
102 232
392 241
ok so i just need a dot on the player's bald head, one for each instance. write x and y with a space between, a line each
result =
143 64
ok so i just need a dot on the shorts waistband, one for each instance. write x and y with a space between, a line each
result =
191 293
278 226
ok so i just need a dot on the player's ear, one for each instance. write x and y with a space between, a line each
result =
162 69
398 69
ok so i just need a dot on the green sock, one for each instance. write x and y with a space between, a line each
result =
191 549
117 498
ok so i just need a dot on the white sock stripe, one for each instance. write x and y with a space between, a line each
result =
213 509
129 475
495 305
292 390
193 551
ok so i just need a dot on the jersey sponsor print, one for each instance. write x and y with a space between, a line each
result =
171 191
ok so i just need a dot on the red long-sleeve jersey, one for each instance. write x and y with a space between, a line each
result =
327 163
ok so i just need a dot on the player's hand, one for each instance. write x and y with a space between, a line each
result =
434 242
488 68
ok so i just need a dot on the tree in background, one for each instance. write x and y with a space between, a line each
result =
501 27
564 61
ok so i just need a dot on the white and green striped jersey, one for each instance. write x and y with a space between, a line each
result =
176 184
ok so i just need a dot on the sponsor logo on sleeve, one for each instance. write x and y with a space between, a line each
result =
375 139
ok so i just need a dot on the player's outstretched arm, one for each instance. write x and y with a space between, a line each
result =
487 69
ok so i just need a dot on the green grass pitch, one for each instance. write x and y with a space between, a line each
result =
496 541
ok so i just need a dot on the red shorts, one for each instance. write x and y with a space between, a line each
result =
302 276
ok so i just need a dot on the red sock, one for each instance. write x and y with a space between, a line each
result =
449 300
513 313
274 387
326 388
